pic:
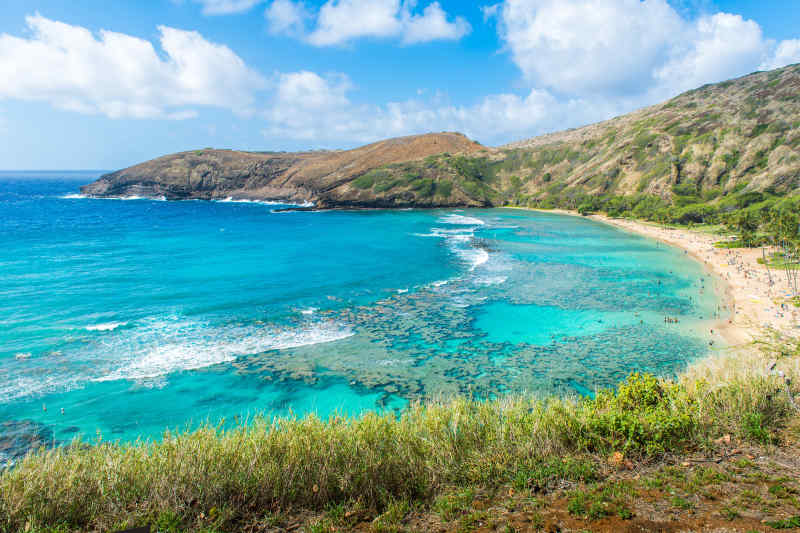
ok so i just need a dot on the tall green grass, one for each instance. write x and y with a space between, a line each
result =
213 477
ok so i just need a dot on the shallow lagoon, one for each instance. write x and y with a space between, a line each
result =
134 316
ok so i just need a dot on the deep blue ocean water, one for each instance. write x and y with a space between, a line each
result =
126 317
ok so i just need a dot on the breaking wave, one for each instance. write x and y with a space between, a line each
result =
107 326
461 220
170 346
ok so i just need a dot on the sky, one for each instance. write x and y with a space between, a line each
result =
104 84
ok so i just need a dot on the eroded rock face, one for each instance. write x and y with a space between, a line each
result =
324 177
18 437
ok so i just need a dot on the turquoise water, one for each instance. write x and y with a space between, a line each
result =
133 316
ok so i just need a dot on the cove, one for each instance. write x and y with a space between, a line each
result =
135 316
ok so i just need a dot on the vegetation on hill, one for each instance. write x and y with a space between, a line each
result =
337 178
739 135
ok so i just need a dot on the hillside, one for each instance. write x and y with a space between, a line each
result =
702 147
737 135
714 149
327 178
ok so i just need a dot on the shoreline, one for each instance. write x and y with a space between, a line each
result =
754 303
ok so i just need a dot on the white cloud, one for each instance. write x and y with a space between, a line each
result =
582 46
432 25
311 91
309 107
118 75
715 48
226 7
341 21
637 49
786 53
317 110
287 17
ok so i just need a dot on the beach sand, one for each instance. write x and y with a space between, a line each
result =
754 292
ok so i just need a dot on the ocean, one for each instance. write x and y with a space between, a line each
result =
120 319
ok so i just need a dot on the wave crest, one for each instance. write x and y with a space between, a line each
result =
461 220
169 346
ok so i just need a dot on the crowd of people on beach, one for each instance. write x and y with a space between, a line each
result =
753 278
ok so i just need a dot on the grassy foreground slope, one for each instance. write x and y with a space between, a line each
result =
433 463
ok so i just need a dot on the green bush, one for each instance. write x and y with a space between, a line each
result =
364 181
754 428
444 188
424 186
643 415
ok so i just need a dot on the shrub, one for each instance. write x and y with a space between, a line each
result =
424 186
364 181
444 188
754 428
643 415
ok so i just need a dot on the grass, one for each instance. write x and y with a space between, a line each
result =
539 475
681 503
778 261
601 501
451 505
392 517
788 523
210 479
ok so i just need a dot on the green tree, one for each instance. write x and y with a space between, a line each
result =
745 223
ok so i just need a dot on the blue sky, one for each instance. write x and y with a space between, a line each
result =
94 84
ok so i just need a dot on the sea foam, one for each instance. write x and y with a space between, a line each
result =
108 326
461 220
77 196
232 200
460 240
170 346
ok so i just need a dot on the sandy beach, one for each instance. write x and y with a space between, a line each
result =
760 298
